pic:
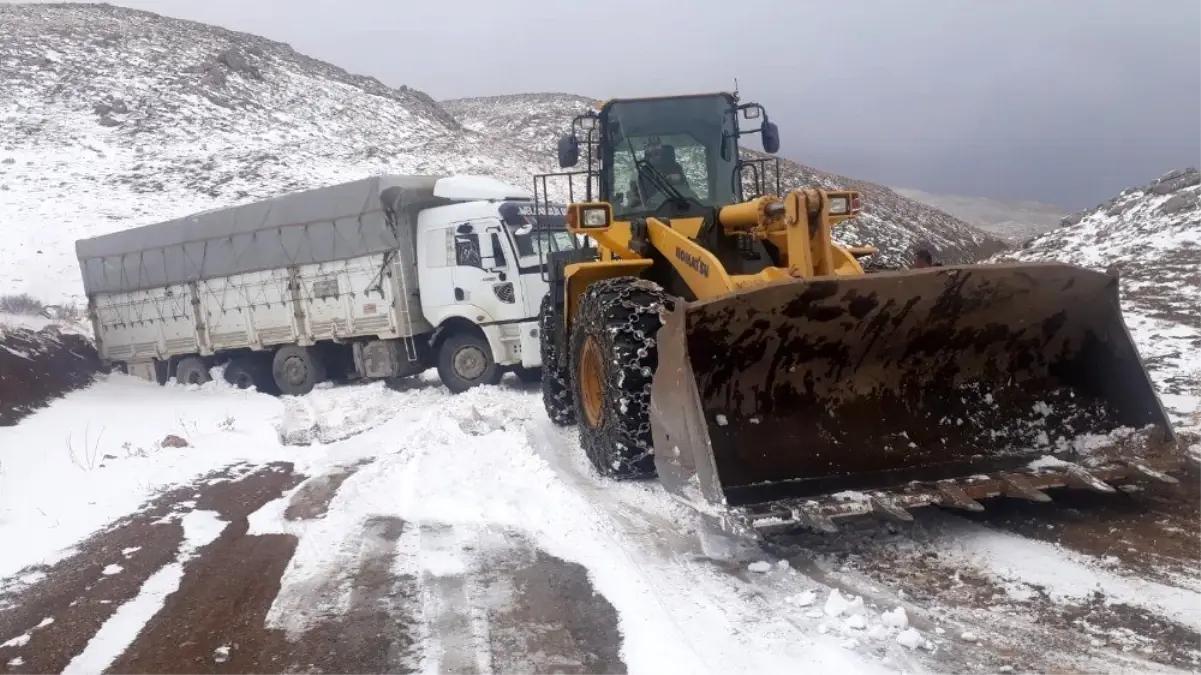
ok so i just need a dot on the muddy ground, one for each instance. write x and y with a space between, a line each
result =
525 611
1153 535
37 367
518 609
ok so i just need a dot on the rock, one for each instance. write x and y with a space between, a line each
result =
213 77
106 121
1179 202
173 441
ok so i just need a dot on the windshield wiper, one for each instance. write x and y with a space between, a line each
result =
656 177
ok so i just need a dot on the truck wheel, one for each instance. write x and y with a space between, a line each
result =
557 396
244 372
296 370
613 359
191 370
465 361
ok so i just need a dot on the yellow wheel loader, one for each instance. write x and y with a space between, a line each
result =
724 341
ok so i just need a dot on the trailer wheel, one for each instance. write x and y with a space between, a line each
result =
557 396
254 370
465 361
613 359
296 370
192 370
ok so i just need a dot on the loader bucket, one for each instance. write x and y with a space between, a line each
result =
900 389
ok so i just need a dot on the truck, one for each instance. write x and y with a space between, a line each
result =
378 278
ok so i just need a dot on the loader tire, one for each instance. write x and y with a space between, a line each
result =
613 358
557 396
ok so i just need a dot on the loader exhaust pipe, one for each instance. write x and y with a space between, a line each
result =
812 387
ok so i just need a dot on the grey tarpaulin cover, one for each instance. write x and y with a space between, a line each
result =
321 225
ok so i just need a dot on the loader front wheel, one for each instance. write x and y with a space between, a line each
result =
613 359
556 375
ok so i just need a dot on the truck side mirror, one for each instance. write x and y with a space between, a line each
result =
569 151
771 137
464 228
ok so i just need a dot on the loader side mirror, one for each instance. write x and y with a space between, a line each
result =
569 151
771 137
725 147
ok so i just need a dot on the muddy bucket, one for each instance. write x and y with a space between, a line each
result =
837 384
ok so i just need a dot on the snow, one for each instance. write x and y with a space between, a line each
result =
478 462
1023 565
99 449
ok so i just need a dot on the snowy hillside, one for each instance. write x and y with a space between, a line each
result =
1151 236
1011 220
111 118
896 224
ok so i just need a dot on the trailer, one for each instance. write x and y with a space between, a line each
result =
383 277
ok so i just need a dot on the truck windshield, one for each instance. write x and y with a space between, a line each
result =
536 233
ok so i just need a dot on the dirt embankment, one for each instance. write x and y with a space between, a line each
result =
39 366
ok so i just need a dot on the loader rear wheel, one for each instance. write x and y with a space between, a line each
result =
614 356
557 395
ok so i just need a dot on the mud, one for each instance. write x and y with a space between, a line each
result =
39 366
1151 534
313 498
506 607
76 593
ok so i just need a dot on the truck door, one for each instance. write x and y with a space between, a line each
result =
485 270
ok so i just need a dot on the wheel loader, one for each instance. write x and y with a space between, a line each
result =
713 332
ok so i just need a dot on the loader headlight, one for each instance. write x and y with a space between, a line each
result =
839 206
596 217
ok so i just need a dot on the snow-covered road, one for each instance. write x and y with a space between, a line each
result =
368 528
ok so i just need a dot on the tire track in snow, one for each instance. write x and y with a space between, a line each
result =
457 627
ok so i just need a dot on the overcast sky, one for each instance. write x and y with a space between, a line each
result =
1061 101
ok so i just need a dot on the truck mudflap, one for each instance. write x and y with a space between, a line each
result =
806 401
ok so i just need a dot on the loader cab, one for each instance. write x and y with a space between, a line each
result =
691 143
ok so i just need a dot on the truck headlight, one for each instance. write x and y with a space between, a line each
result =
839 206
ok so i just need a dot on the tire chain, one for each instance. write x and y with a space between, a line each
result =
556 387
635 309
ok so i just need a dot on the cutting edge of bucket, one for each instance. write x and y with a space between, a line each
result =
969 493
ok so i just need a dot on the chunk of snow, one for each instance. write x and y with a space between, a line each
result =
760 566
19 641
112 569
967 636
909 638
895 618
804 598
838 604
855 622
